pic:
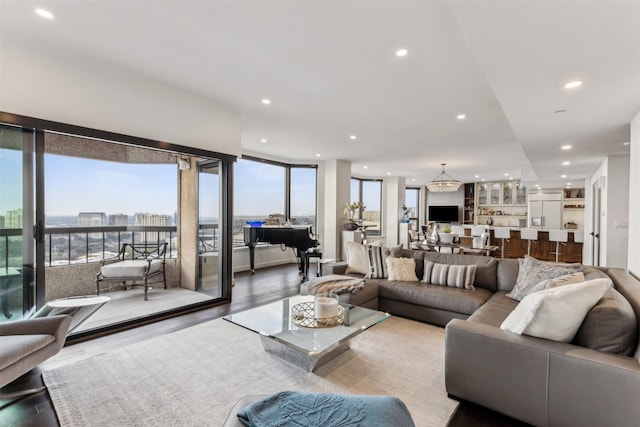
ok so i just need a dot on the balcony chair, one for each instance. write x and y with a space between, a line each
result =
135 262
24 344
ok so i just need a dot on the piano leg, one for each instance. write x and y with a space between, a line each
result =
252 255
302 264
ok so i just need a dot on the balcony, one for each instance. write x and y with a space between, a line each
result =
74 255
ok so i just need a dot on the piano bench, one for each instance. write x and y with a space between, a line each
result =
313 253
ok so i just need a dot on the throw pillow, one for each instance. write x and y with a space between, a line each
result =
532 271
567 279
461 276
455 276
401 269
376 256
435 273
555 313
610 326
357 257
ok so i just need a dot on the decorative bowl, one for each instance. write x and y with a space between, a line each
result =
255 224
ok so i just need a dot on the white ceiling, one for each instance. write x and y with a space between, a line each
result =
330 70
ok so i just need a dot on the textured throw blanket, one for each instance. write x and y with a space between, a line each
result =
334 283
298 409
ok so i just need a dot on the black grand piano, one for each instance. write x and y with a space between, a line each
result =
299 238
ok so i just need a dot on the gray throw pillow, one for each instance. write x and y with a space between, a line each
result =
610 326
376 257
532 271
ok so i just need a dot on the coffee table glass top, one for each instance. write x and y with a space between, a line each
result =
274 321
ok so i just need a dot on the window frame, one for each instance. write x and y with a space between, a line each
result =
360 181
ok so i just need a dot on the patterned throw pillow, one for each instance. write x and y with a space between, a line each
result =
455 276
401 269
567 279
461 276
532 271
376 257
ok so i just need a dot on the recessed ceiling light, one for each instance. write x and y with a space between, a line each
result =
482 179
566 147
510 177
477 176
413 180
264 141
365 167
317 154
566 163
402 52
626 143
266 101
461 116
537 185
44 13
353 137
574 84
563 176
506 174
568 184
388 173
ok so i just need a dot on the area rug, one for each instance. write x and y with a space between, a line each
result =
193 377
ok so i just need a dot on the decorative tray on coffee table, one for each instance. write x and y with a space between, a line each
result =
303 314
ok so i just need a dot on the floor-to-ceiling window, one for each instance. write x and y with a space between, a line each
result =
95 194
412 203
276 193
369 192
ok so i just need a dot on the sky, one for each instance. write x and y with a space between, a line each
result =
75 185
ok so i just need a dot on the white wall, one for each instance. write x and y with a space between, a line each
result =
48 84
336 176
634 198
446 199
613 178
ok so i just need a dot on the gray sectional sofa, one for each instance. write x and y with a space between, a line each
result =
539 381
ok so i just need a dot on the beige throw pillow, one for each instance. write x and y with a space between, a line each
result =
555 313
401 269
357 258
532 271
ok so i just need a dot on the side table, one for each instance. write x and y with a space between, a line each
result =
80 308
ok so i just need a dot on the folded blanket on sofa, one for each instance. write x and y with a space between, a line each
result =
334 283
291 408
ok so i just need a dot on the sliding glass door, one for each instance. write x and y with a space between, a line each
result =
209 230
17 213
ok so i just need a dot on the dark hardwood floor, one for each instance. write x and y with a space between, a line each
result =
250 290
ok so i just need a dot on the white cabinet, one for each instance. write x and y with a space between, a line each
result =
501 203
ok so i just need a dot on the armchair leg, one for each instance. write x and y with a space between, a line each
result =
146 288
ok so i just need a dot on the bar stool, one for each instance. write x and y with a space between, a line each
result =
503 233
558 236
529 234
578 237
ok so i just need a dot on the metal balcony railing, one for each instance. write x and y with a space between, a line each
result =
73 245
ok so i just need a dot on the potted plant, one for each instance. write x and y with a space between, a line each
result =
447 236
350 211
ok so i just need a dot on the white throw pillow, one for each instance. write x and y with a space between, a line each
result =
401 269
357 257
555 313
567 279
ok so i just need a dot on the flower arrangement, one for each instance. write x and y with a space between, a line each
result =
446 229
351 209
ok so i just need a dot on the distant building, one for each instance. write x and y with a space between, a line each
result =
13 219
147 219
1 221
118 219
92 219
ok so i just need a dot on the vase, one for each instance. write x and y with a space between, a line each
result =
350 226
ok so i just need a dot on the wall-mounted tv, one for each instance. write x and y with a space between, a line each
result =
443 213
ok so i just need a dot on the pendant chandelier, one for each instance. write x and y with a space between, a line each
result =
444 183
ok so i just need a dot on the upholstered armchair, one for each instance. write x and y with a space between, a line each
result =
24 344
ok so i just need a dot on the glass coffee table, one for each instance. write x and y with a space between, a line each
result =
308 348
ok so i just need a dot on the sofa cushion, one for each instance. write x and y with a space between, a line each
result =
402 269
532 271
486 267
130 268
555 313
435 296
610 326
16 347
507 274
495 310
455 276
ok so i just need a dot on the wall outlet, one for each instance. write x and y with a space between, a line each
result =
621 223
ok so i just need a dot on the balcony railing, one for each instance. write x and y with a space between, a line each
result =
73 245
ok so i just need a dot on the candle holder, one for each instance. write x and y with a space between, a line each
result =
323 312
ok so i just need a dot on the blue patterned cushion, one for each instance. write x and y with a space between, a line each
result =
291 408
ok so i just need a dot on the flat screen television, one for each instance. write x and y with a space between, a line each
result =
443 213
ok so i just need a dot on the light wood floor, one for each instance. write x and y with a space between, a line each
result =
267 285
